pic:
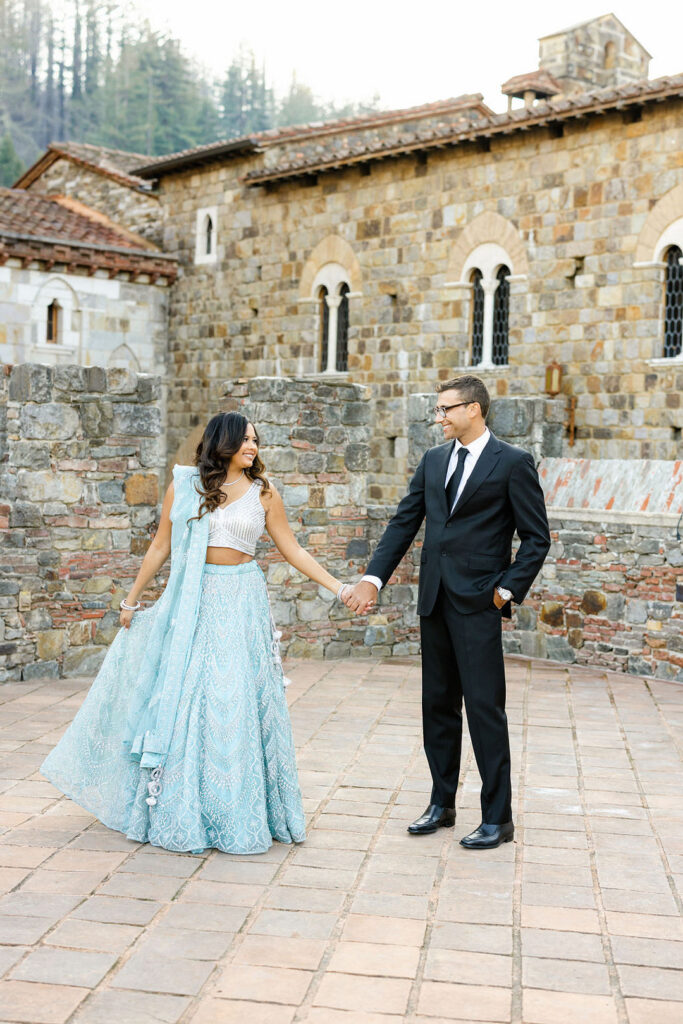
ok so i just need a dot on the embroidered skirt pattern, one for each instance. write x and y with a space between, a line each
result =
229 777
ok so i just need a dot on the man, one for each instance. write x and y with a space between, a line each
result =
474 492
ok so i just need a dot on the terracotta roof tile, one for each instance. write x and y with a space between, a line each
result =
544 112
112 163
33 227
273 136
538 81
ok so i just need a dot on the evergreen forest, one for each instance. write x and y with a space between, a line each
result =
92 71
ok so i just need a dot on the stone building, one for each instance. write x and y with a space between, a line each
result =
75 288
400 248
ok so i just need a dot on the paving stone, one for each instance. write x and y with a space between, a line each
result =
15 930
294 923
109 938
352 992
378 959
146 887
651 982
544 1007
148 973
464 1002
644 1011
64 967
9 956
393 930
468 968
565 975
263 984
176 943
117 910
116 1007
32 1003
200 917
229 1011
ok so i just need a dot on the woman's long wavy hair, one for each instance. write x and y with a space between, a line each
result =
223 437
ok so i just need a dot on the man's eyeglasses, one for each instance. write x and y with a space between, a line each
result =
441 410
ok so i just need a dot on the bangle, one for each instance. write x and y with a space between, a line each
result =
341 590
129 607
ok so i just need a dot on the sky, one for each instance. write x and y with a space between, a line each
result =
407 51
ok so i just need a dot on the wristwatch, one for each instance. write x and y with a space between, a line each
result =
505 594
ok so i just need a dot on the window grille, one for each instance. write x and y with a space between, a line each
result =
342 362
208 233
52 333
477 318
324 315
501 311
673 311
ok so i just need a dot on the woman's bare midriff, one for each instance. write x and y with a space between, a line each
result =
227 556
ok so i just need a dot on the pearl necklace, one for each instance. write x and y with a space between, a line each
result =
226 484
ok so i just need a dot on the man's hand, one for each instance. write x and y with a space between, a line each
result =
498 600
361 598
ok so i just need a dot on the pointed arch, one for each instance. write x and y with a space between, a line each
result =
124 356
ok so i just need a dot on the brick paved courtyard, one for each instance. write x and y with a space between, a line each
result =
579 919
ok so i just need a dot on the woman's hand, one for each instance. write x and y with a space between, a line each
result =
126 617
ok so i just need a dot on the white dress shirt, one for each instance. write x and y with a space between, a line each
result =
474 450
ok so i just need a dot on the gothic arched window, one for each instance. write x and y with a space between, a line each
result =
324 320
477 317
501 313
673 303
208 235
331 288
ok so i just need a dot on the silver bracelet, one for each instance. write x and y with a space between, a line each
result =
129 607
341 591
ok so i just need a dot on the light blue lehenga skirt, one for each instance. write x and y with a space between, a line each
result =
229 778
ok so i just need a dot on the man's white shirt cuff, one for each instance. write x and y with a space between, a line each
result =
373 579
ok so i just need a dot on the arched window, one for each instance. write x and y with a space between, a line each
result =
673 303
206 235
501 313
477 317
324 318
610 51
53 325
332 290
342 360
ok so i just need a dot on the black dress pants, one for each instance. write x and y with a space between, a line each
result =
462 657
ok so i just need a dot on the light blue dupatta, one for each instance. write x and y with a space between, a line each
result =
168 638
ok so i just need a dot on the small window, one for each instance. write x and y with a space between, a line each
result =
673 303
610 51
206 235
52 327
324 316
342 361
501 316
477 317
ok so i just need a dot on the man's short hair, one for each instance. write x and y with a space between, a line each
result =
471 388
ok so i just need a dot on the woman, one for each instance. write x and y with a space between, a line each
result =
184 739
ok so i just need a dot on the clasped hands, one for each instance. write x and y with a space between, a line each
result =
360 598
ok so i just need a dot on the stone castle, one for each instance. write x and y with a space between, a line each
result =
540 248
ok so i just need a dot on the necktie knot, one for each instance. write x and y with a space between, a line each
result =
462 454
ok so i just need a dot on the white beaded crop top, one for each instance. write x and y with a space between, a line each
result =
239 524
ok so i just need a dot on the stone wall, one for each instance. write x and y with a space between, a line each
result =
606 596
315 445
575 199
80 455
132 208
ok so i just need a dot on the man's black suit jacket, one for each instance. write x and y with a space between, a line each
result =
468 552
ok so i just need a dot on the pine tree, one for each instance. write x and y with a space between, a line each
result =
11 166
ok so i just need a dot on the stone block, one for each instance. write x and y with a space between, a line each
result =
524 618
559 649
48 422
357 457
80 633
357 548
575 637
71 379
96 379
110 492
639 666
295 496
594 602
29 455
41 670
659 610
121 381
355 413
142 489
97 418
337 649
42 486
30 382
511 417
137 420
636 611
83 661
615 607
149 388
310 462
98 585
533 645
50 644
552 613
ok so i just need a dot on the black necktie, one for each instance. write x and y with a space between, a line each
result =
454 482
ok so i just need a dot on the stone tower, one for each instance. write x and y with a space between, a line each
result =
594 54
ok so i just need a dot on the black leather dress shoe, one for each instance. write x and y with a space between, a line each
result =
487 837
434 817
